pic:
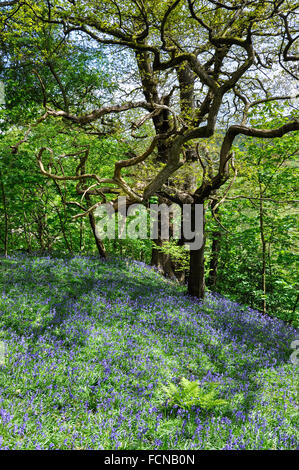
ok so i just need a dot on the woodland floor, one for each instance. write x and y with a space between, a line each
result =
89 345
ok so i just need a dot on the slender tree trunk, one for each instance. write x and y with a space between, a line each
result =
27 240
216 243
40 232
5 216
62 227
69 243
81 235
196 281
215 250
99 243
26 226
264 255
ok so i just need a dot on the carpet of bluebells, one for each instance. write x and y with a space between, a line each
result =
89 344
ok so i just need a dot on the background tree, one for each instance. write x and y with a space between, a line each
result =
225 55
256 252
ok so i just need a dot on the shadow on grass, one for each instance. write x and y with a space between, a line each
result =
116 282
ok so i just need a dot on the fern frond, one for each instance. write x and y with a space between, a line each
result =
190 394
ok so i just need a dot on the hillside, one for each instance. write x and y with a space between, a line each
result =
90 344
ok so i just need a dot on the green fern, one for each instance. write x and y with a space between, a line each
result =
190 394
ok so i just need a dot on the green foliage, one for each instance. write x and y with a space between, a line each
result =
266 172
179 254
189 394
80 74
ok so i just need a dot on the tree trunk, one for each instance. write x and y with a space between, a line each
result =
26 226
81 236
264 254
162 260
63 231
196 281
264 248
92 222
5 217
215 250
40 231
99 243
216 243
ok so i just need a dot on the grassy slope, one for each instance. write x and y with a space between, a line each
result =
89 345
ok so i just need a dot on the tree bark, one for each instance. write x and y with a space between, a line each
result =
215 250
81 236
99 243
5 217
264 254
196 281
62 227
162 261
216 243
